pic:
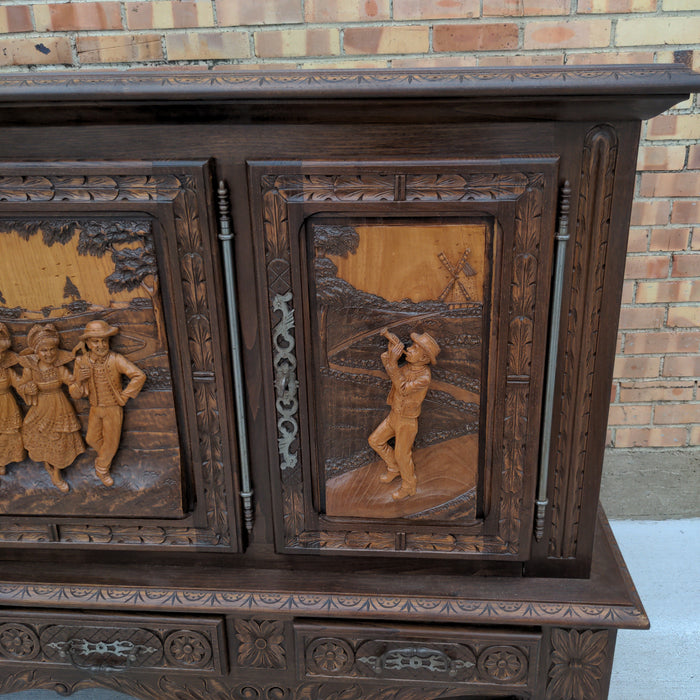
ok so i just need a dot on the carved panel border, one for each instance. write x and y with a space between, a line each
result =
178 189
479 181
581 342
476 181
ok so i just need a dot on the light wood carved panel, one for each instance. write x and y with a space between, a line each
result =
524 189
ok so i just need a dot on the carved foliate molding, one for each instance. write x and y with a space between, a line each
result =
261 643
394 183
37 183
590 244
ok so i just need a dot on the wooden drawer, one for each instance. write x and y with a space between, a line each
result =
505 659
104 643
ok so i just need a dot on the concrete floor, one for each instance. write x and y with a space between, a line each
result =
660 664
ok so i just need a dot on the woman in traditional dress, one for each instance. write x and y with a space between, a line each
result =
11 447
51 430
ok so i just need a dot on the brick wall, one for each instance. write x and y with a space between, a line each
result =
656 400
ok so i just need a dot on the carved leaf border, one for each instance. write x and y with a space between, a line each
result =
179 190
524 187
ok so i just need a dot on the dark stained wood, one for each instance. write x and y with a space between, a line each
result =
418 587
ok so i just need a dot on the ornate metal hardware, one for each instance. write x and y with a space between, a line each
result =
562 238
226 238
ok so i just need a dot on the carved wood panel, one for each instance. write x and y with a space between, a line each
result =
102 645
580 346
108 200
472 657
526 186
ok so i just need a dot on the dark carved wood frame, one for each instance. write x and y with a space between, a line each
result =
519 189
178 197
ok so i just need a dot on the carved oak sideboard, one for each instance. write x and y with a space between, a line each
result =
304 380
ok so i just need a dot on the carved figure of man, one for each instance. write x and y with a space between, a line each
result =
409 385
99 376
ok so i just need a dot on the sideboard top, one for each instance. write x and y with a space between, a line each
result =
561 93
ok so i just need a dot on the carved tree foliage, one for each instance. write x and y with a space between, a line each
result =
581 344
134 267
277 191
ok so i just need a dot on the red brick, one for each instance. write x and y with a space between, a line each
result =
651 213
661 158
17 18
694 157
609 57
680 414
685 184
45 51
165 14
475 37
695 241
684 316
686 265
232 13
609 441
650 317
434 62
628 287
669 239
616 6
638 392
674 126
122 48
206 45
638 240
650 437
77 16
637 366
384 40
655 31
682 366
695 436
567 34
522 8
520 59
686 212
646 266
629 415
662 343
667 291
434 9
346 10
297 42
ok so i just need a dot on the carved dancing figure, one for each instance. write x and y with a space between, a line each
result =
98 376
11 445
409 385
51 430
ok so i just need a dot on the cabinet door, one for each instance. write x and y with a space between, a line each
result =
131 446
407 310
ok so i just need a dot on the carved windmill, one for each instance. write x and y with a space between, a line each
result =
455 294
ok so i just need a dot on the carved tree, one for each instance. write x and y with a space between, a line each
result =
70 291
134 265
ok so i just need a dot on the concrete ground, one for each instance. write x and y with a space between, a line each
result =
660 664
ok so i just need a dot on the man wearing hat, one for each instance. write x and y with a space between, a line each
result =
409 385
98 376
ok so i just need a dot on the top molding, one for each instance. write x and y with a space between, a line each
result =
233 85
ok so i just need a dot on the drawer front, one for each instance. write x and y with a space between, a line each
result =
107 643
506 659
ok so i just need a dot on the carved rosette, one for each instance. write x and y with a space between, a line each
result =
581 343
329 657
503 664
579 662
260 643
277 192
18 642
187 649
